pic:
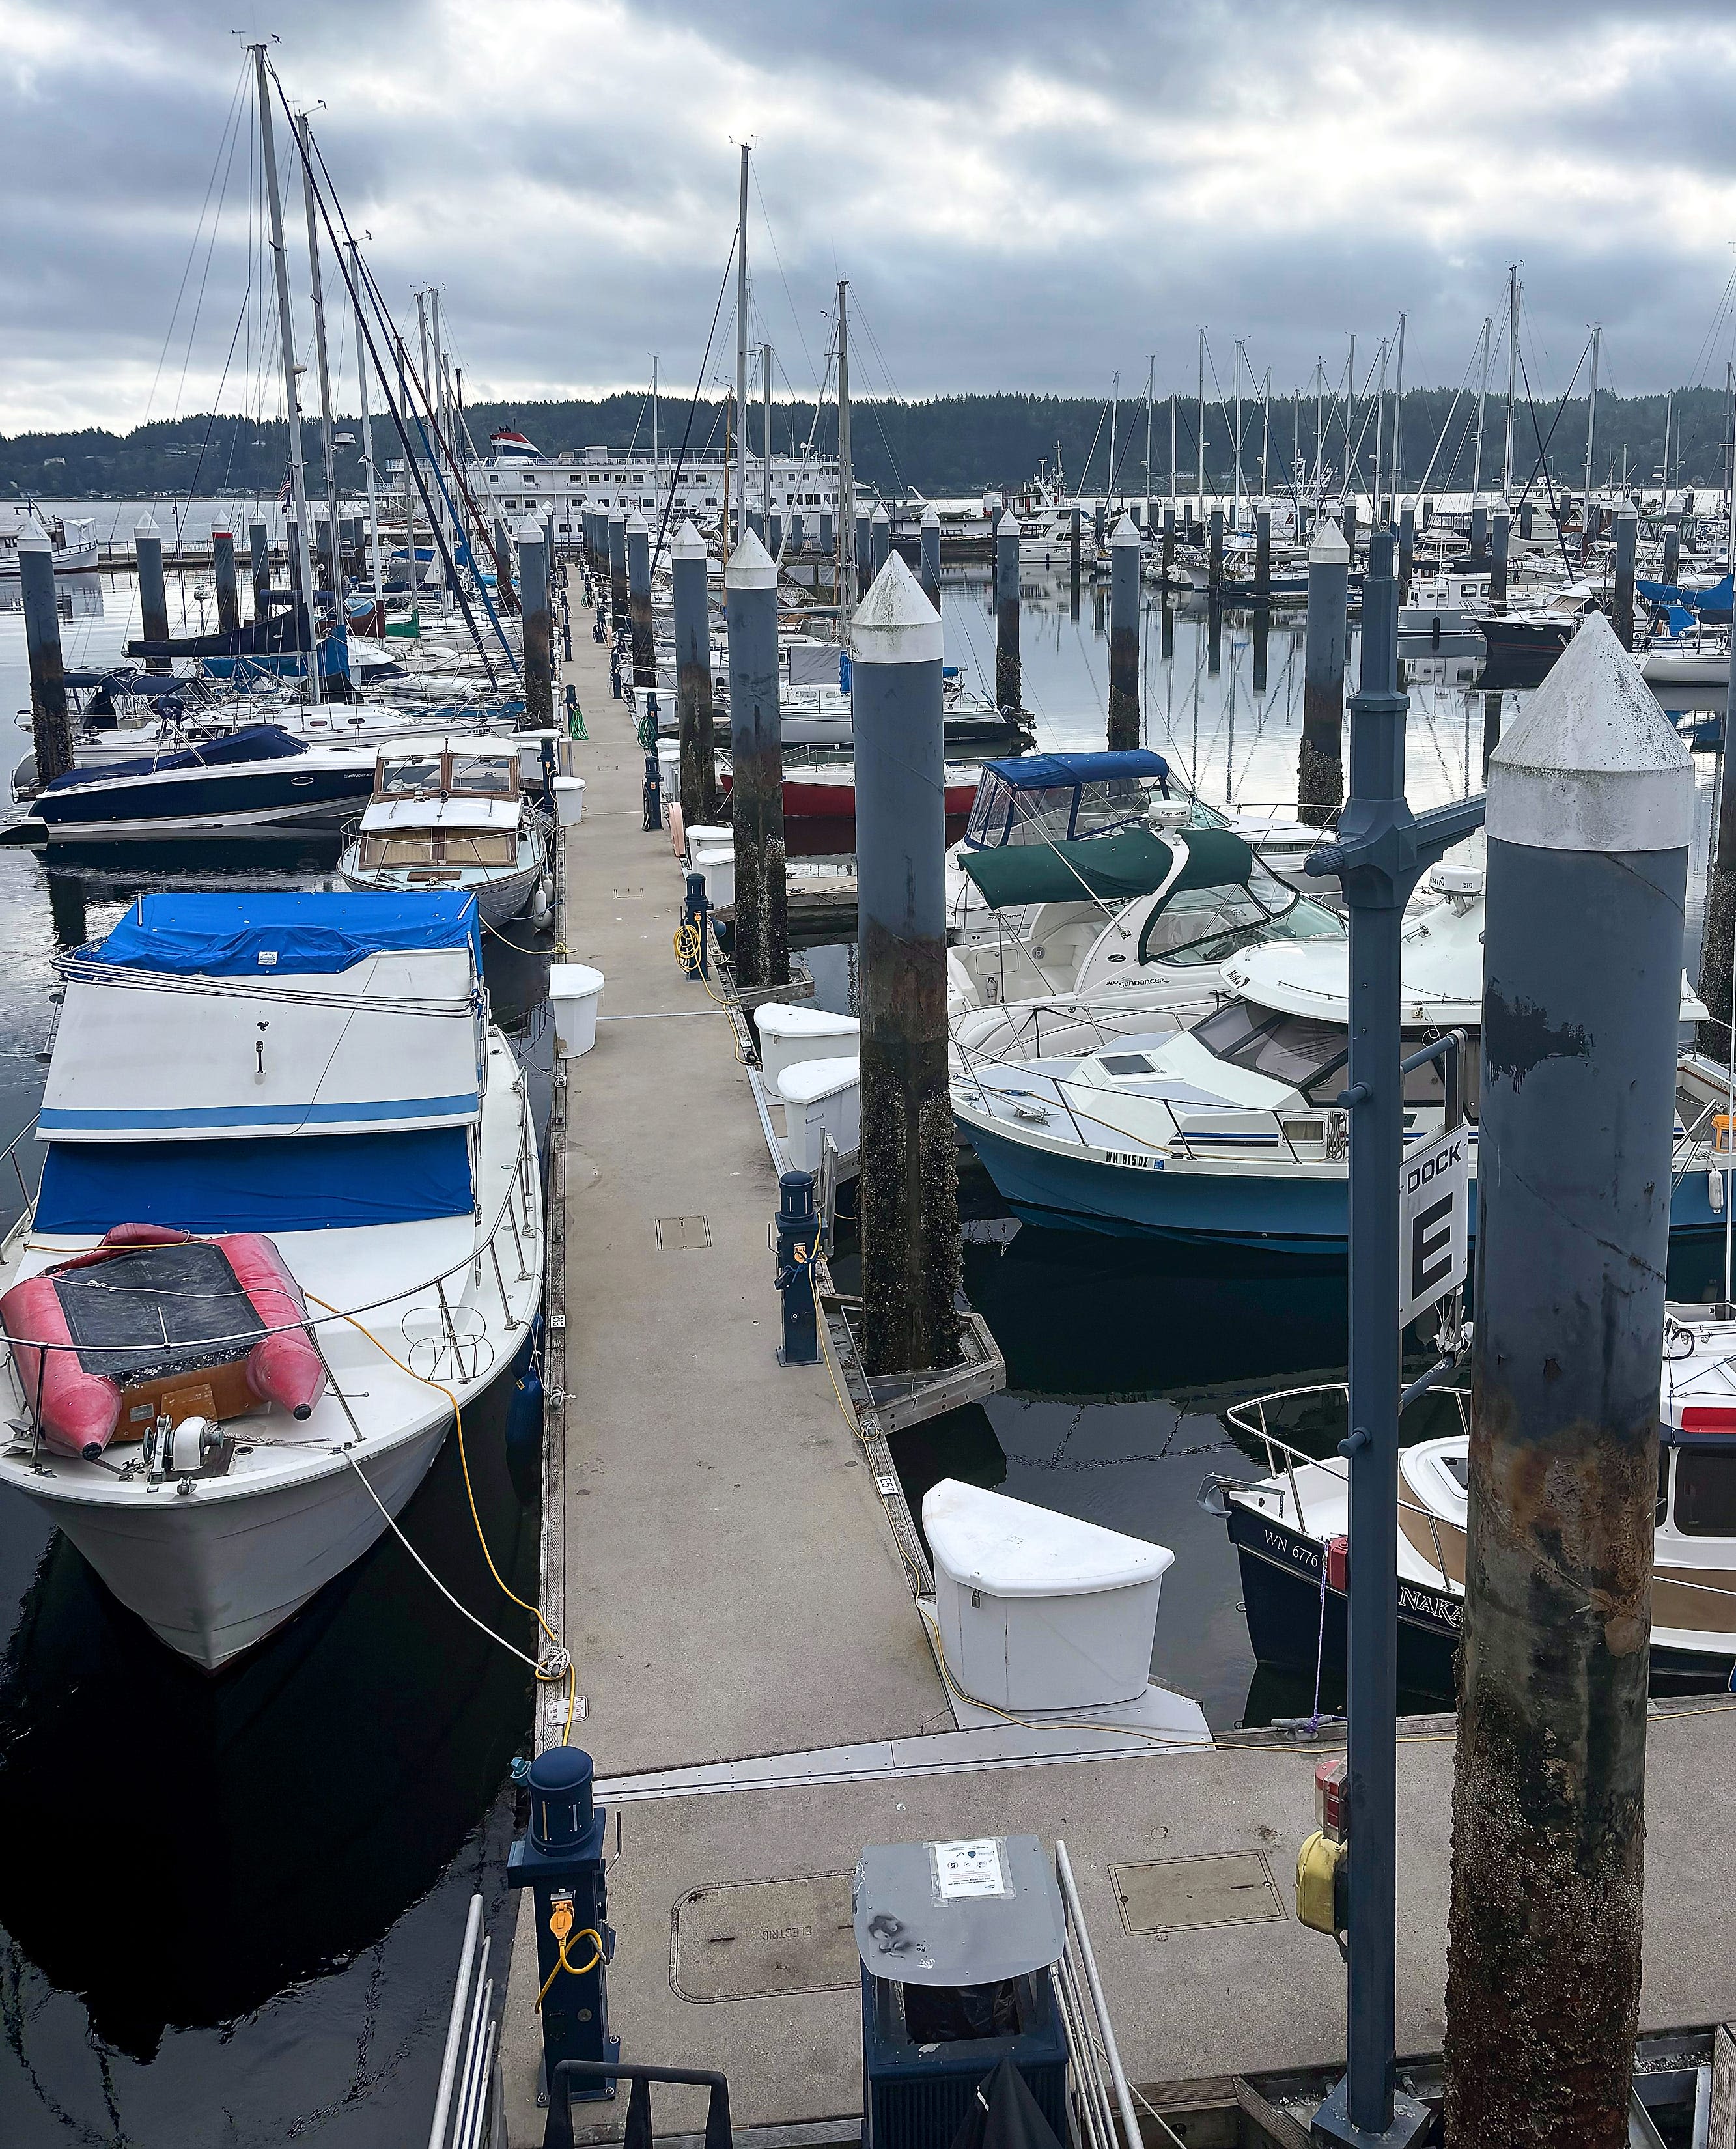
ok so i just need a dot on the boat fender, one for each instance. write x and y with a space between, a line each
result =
524 1414
1322 1885
1338 1564
540 905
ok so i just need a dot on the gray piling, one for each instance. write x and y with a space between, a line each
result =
152 589
1100 528
1525 520
1168 566
911 1245
760 947
533 594
1590 814
880 540
1263 553
1215 553
693 679
620 609
1627 544
828 544
863 554
1500 546
638 599
1123 727
259 546
1073 538
1320 770
1478 557
775 543
1009 685
931 556
223 573
1672 550
798 530
756 523
1349 531
1406 546
51 723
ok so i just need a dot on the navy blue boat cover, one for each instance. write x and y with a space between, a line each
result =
1714 601
278 935
252 742
284 1183
1035 771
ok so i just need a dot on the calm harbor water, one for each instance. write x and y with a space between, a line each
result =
272 1959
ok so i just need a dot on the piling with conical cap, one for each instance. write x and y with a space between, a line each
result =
1008 684
51 724
223 574
880 538
1499 548
1123 726
864 553
1263 552
1627 549
638 599
152 590
761 942
533 593
620 609
931 554
1320 769
911 1246
1479 558
693 679
1590 816
259 546
1406 547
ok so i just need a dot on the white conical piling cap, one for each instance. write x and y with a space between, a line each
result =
931 518
1593 764
688 544
33 538
895 623
147 525
636 525
879 514
529 531
1126 532
750 566
1327 548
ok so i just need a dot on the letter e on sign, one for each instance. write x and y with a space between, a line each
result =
1433 1197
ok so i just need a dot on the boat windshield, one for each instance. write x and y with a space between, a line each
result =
1291 1049
1054 813
1198 926
1705 1494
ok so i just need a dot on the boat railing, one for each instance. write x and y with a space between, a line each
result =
466 2096
1283 1459
516 1219
1099 2088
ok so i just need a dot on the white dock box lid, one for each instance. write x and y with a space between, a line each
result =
822 1096
1037 1610
788 1035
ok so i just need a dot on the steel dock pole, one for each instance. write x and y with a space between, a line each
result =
152 590
638 599
1009 685
911 1246
1124 728
51 724
760 945
1591 815
533 587
1320 775
693 679
931 556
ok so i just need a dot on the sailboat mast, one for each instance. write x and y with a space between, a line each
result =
1114 412
436 388
766 436
361 377
845 476
1669 405
1265 432
1482 397
1350 455
1380 419
1512 373
1398 405
1320 424
1172 444
334 558
302 565
661 511
1202 421
1235 502
1591 433
1151 383
741 369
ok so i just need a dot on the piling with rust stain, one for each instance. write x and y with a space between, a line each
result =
911 1245
761 944
1008 685
1123 727
1591 807
1320 769
693 679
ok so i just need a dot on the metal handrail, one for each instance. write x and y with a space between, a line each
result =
1275 1447
1097 2044
450 2071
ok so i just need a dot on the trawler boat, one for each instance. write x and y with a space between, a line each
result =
450 813
1450 601
290 1220
1231 1131
1290 1528
250 781
1128 933
71 545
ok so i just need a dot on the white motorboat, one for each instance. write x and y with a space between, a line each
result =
1449 601
302 1088
72 545
450 813
245 782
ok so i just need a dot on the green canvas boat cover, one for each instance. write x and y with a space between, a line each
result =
1112 868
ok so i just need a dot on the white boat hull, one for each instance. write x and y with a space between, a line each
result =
70 560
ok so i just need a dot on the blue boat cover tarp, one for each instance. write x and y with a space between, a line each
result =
278 935
252 742
1037 771
284 1183
1715 601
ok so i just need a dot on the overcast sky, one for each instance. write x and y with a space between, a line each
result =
1023 196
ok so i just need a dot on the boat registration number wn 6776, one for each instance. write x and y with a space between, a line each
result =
1130 1156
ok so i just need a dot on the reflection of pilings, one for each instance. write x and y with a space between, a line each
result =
66 909
1214 637
1491 726
259 546
909 1196
1591 811
1320 772
1166 631
51 726
693 679
1620 609
931 556
638 599
620 607
1406 547
761 940
1499 550
533 589
1009 689
1123 726
153 591
223 573
1262 636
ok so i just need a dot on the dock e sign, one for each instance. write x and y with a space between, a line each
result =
1434 1192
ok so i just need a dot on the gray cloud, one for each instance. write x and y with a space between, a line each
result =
1023 197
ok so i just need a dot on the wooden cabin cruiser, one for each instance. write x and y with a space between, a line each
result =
1294 1522
1127 933
1231 1131
450 813
251 780
289 1217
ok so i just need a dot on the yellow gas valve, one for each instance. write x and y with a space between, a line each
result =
1321 1880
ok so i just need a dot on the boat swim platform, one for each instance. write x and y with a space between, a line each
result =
759 1692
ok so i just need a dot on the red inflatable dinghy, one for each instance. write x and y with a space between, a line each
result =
148 1306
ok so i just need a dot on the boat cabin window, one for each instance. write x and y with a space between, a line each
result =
1706 1492
1207 925
1285 1048
437 854
989 812
1110 805
407 774
492 774
1123 1063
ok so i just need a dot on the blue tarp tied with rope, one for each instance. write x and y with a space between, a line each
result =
1713 603
273 935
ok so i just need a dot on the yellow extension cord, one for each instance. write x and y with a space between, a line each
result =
573 1970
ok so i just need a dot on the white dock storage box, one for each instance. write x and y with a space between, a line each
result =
822 1096
569 800
1039 1610
788 1035
716 865
576 993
